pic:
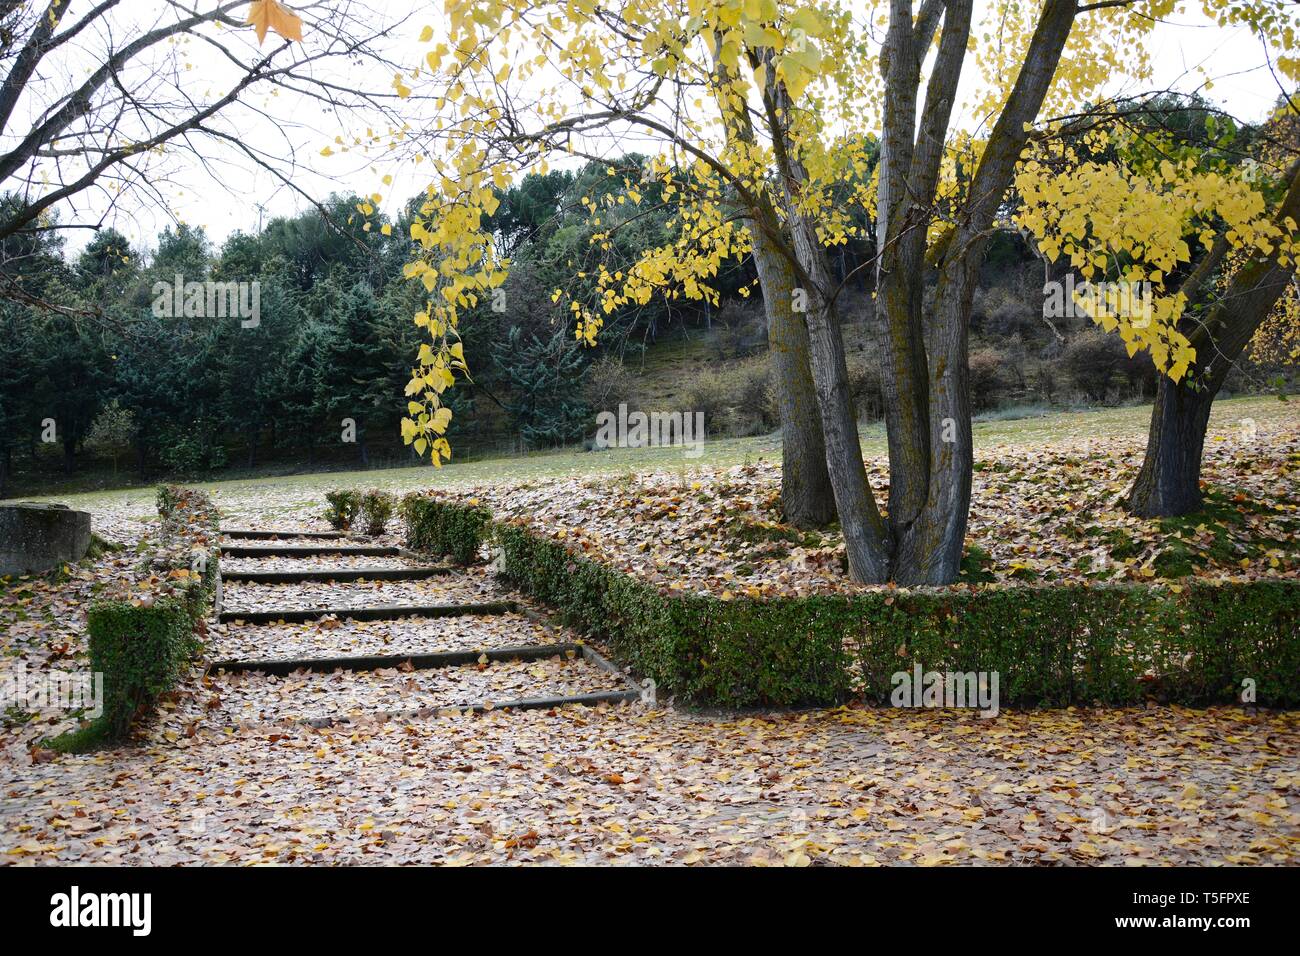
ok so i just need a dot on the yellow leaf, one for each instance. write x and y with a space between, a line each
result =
264 15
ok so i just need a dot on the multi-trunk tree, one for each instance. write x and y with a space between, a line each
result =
761 110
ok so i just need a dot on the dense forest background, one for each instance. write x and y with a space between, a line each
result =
134 396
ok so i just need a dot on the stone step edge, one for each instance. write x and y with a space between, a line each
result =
532 703
257 534
310 551
426 661
336 574
379 612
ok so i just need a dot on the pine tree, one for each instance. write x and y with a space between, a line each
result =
357 366
541 374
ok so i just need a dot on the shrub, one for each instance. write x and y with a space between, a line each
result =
1097 361
166 500
735 400
343 508
142 638
1047 380
377 507
609 383
699 648
1054 645
988 377
865 385
142 652
757 400
740 329
710 395
442 527
1000 311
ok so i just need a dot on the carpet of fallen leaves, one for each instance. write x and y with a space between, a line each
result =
231 784
625 784
333 637
249 699
1037 515
476 586
220 777
314 562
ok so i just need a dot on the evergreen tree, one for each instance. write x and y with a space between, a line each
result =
541 373
357 368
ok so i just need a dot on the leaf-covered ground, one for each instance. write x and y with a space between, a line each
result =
1038 513
474 586
627 785
347 637
221 776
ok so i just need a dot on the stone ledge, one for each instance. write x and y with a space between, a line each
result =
36 537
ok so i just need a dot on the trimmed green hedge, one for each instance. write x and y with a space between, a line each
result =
142 652
1052 645
443 527
343 507
142 641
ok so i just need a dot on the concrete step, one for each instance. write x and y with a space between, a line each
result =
253 534
530 652
308 550
336 574
375 613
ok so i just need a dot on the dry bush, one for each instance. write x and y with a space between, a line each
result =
735 399
608 383
990 377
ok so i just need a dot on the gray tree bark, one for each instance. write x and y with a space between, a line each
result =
929 419
1169 483
807 498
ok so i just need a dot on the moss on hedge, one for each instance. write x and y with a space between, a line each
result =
142 653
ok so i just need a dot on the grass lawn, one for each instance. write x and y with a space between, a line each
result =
283 495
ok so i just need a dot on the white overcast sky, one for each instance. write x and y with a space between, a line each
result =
235 195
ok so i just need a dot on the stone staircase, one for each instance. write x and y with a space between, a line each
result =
316 628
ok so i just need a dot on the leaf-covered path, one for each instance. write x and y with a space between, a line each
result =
289 645
629 785
228 775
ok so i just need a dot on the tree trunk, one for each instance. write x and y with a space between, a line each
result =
1169 483
930 548
6 458
903 206
930 545
807 499
866 538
